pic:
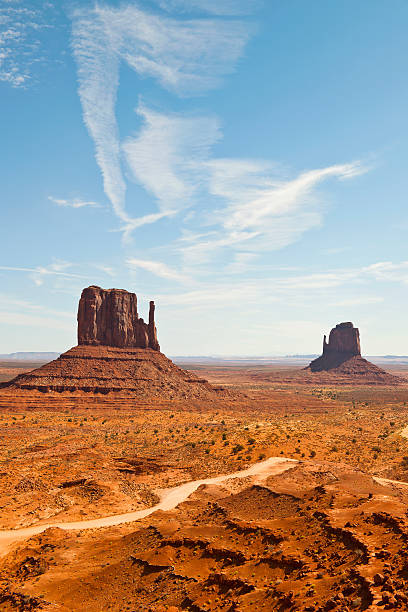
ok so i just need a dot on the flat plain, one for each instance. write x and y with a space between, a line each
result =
328 531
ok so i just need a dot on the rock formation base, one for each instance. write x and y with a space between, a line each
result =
356 369
145 373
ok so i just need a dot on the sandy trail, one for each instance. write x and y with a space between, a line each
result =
170 498
386 481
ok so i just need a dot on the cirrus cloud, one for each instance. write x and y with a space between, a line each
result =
186 57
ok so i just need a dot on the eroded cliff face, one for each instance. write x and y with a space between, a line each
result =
109 317
344 338
343 346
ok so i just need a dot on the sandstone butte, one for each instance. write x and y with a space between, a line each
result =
117 352
342 358
109 317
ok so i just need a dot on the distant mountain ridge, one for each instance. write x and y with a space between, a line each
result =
30 356
49 356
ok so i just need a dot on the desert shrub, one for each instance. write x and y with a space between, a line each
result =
237 448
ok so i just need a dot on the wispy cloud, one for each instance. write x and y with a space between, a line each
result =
131 224
186 57
216 7
167 156
31 320
14 311
38 273
357 301
7 301
59 269
214 295
240 205
74 203
106 269
157 268
20 41
336 250
388 271
241 263
243 204
261 213
290 288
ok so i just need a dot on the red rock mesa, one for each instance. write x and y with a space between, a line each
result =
117 352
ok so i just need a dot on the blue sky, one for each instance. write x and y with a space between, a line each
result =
242 162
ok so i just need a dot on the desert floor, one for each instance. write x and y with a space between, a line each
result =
329 531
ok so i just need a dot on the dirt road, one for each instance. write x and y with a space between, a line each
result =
169 499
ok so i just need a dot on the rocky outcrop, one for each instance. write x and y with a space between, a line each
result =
109 317
341 361
344 339
344 343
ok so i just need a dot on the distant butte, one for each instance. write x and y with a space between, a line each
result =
344 343
117 352
342 358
